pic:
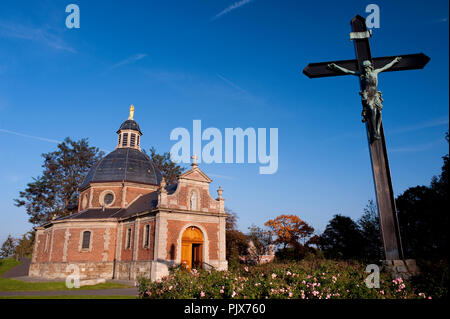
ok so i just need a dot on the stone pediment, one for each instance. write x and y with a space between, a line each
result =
196 174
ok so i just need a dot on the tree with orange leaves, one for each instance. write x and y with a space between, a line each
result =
289 230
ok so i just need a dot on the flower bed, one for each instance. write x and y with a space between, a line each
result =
322 279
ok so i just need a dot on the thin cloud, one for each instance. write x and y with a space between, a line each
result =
39 138
30 136
416 148
221 176
234 6
231 83
129 60
441 20
428 124
44 36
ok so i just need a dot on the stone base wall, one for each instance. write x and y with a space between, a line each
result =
131 270
87 270
125 270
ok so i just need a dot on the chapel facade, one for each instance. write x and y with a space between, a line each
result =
130 222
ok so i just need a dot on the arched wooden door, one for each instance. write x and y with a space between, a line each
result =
192 248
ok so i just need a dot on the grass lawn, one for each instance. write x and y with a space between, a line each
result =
68 297
7 284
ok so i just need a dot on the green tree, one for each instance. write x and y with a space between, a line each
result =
25 245
369 225
424 219
342 239
260 241
54 193
236 241
169 170
8 247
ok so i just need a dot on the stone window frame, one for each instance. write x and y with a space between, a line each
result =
128 238
102 198
91 239
192 191
146 235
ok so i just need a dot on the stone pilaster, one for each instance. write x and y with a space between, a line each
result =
106 238
136 238
66 243
51 246
160 265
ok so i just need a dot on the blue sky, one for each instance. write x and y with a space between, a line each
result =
229 64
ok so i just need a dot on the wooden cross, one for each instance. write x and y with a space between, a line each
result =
380 165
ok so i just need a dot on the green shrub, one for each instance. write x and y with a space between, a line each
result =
308 279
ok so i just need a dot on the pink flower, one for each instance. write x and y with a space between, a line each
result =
202 294
288 273
290 294
274 276
170 287
382 292
233 294
246 268
221 291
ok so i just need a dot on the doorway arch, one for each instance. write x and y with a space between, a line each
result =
192 243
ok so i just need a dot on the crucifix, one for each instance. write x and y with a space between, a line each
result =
367 69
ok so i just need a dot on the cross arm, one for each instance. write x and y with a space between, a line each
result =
408 62
320 70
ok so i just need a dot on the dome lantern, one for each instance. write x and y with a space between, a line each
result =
129 133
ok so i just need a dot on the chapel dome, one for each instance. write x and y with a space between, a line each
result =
127 163
124 165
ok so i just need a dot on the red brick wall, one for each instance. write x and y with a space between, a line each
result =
41 255
127 254
174 228
97 242
117 195
58 245
146 253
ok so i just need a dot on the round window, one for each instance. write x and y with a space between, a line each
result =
108 199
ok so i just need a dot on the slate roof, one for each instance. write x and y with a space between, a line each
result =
124 164
129 125
144 203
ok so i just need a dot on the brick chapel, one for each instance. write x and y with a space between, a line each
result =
130 222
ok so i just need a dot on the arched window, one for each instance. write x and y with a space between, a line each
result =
146 235
86 244
128 243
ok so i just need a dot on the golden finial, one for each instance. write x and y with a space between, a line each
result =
131 112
